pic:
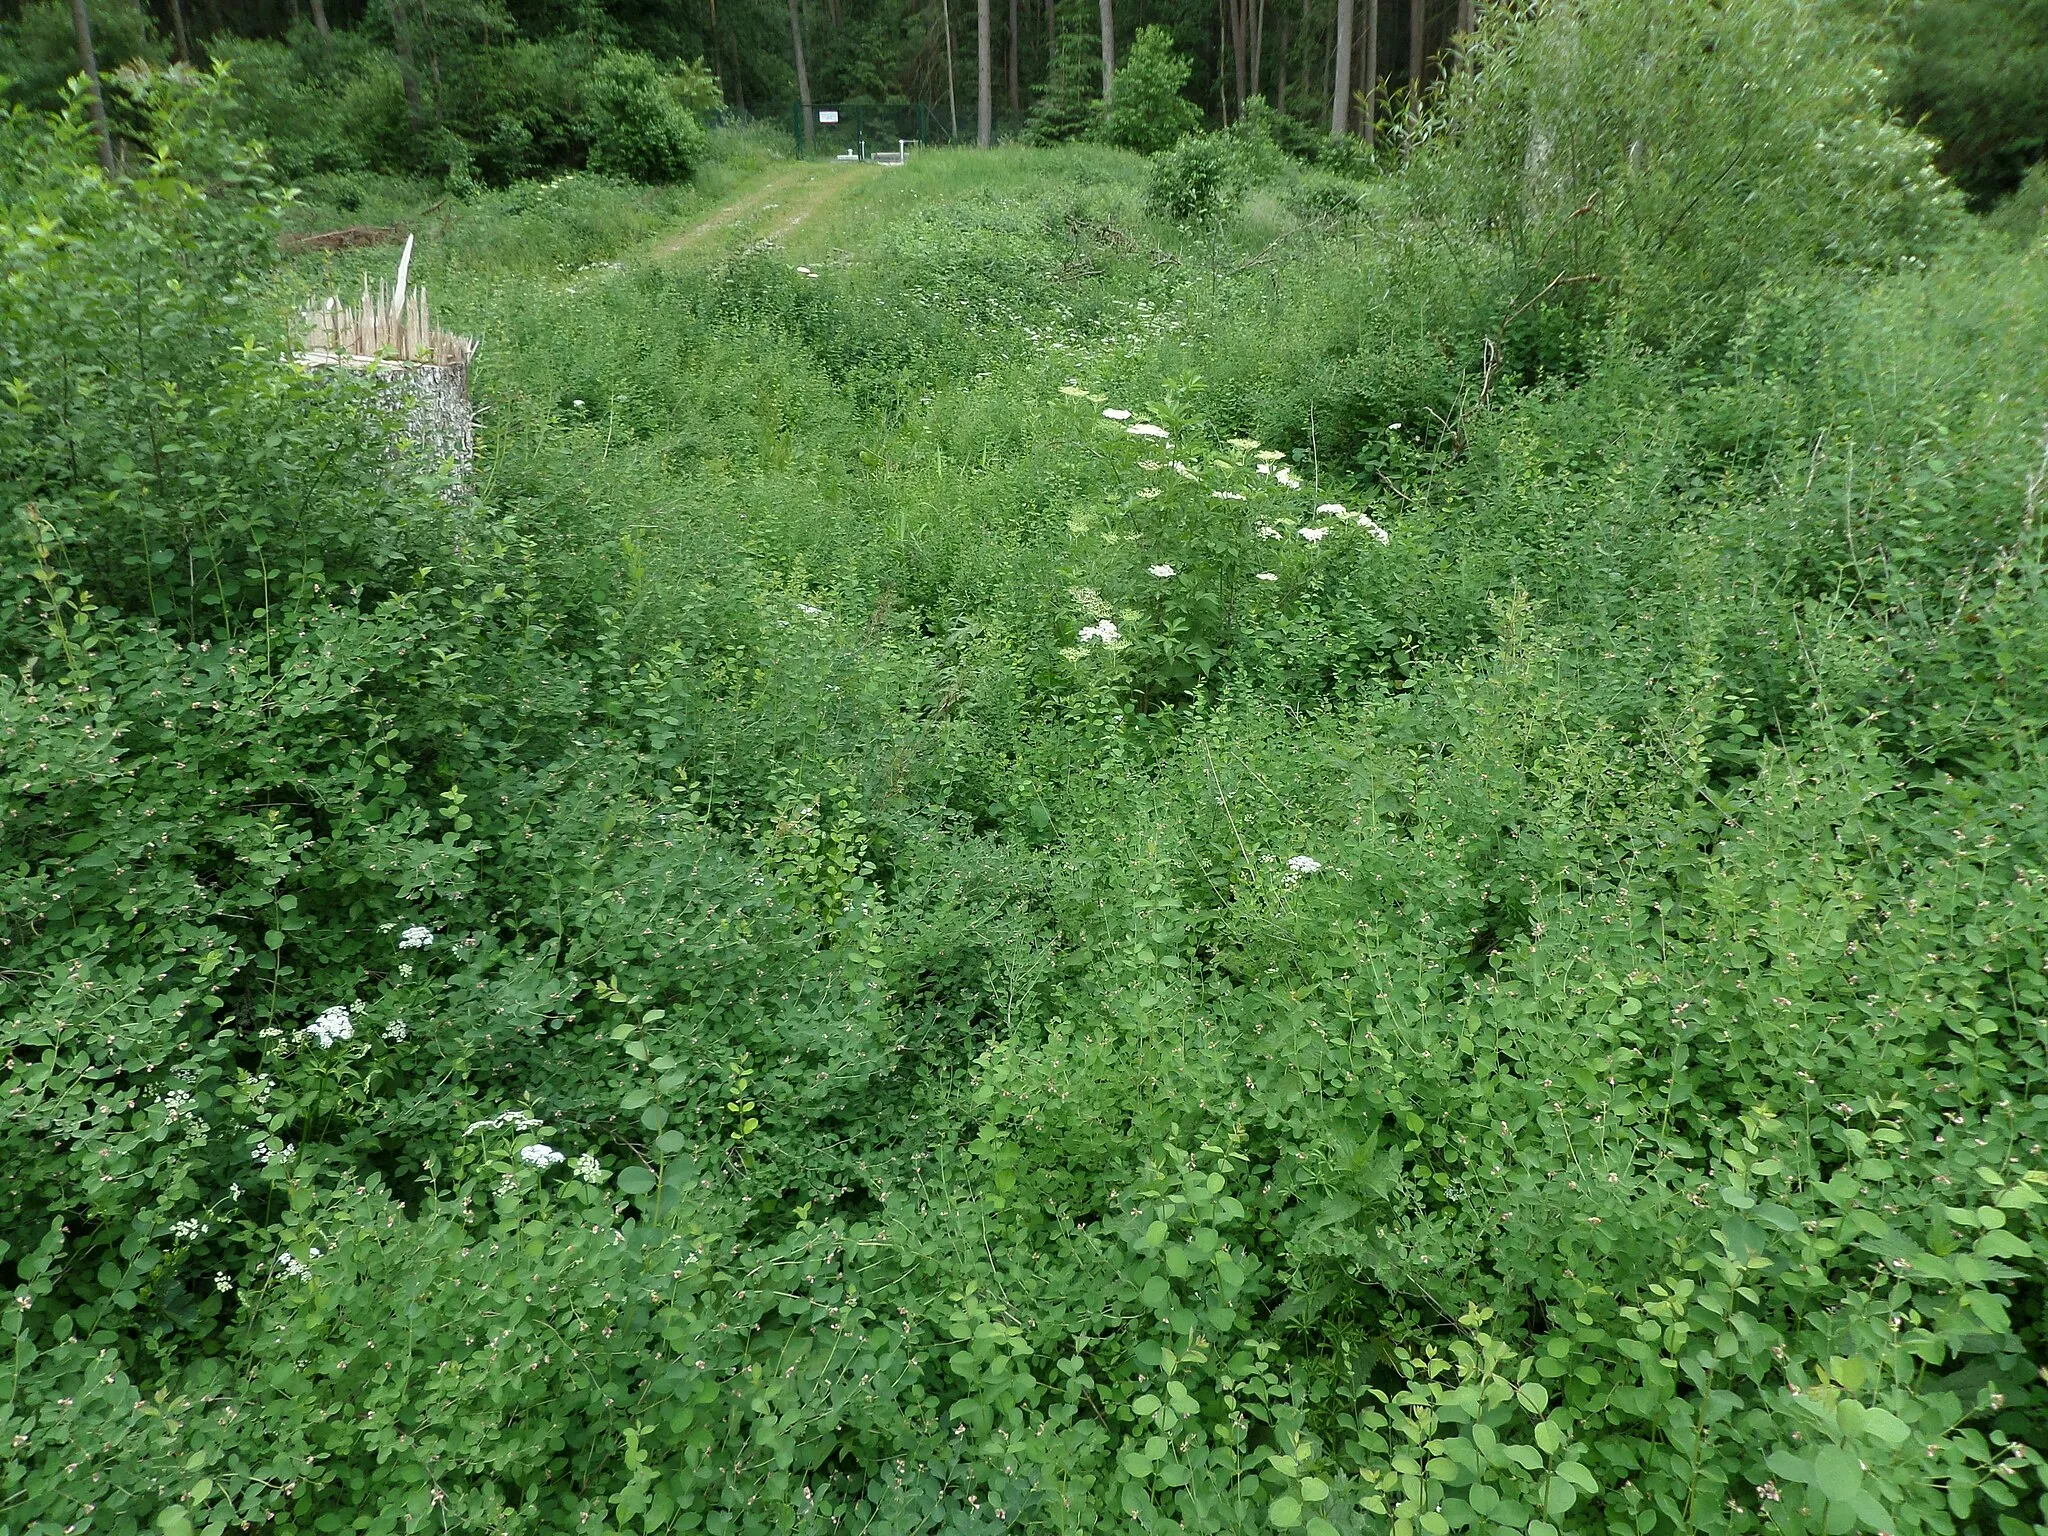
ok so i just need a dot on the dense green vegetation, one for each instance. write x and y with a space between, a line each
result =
477 92
1083 845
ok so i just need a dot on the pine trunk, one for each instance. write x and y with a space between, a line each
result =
1108 51
1372 71
803 76
984 78
1340 90
184 39
1418 22
88 61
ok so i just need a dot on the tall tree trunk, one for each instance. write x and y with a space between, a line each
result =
952 100
1340 90
1417 24
408 72
1016 48
1108 51
319 17
1372 71
184 38
1259 48
984 78
1052 36
1238 22
81 27
1466 17
803 76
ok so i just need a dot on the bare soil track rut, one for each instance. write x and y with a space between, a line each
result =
772 210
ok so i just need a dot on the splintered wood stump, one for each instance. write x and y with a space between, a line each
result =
393 338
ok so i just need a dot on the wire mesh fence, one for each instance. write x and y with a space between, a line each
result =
863 131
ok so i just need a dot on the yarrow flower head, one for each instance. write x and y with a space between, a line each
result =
589 1169
1104 633
1226 496
1267 531
1287 477
293 1267
1161 571
395 1031
540 1155
1266 576
1315 535
1302 864
331 1028
1372 527
1330 509
1115 414
416 937
1146 429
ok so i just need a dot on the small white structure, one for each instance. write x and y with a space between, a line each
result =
390 334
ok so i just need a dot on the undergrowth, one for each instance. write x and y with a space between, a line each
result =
1015 866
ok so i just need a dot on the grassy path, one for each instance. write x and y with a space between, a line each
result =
772 210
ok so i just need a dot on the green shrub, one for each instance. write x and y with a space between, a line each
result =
279 101
1147 111
637 130
1667 161
1198 181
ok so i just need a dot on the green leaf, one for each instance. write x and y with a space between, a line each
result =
1285 1512
1318 1526
1837 1474
1314 1490
635 1181
1559 1496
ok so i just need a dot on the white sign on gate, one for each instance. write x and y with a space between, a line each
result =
827 117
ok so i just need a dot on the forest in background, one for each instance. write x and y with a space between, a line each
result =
497 90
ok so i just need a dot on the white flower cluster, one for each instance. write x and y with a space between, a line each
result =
264 1153
416 937
331 1028
589 1169
539 1155
1104 633
517 1121
395 1031
1302 864
293 1267
1114 414
1146 429
1365 524
1162 571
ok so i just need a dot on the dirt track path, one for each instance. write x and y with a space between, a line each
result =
774 210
